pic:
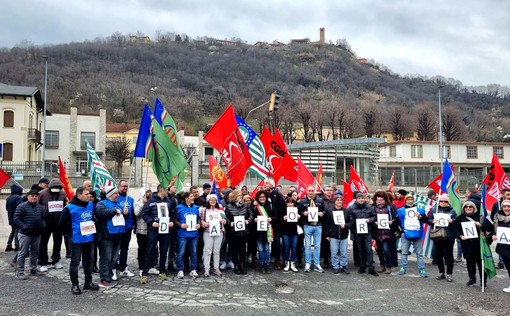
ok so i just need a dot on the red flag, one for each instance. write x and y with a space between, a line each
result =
391 186
319 177
305 178
356 183
436 183
259 187
227 139
4 177
495 180
278 160
66 184
291 174
347 194
217 174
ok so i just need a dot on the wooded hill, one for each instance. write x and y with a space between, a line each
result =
324 89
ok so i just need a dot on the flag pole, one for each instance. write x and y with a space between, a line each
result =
483 263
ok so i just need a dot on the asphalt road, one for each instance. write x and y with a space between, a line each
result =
256 294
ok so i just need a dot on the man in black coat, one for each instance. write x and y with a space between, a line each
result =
11 203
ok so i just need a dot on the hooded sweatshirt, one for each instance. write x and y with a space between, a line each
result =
13 201
53 200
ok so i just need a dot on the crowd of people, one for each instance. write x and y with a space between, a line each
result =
191 233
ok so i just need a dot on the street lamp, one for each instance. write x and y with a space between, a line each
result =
44 114
441 153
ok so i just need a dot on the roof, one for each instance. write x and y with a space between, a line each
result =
120 127
24 92
338 142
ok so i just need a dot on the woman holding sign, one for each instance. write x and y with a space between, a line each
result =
337 232
382 229
187 220
502 235
264 215
443 216
289 220
212 219
239 216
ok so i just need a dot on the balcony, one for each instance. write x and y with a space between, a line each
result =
34 135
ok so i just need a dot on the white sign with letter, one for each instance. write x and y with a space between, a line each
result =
163 225
239 224
503 235
214 228
411 222
87 228
292 214
313 214
383 221
442 219
469 230
361 226
118 220
191 221
261 223
55 206
338 217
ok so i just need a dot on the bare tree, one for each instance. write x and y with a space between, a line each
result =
117 149
305 115
454 128
400 123
425 122
369 114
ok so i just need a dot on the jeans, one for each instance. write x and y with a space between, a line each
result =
51 229
85 250
364 244
13 236
263 247
289 246
339 252
418 247
383 251
459 248
444 253
182 244
153 239
27 244
314 232
108 253
124 248
212 246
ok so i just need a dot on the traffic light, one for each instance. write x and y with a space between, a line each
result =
274 103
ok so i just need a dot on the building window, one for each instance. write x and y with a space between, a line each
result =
208 151
393 151
446 152
8 118
416 151
498 150
134 140
52 139
472 152
7 151
90 137
82 164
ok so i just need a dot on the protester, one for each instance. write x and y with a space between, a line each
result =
502 219
337 235
251 256
289 236
239 237
125 202
77 221
277 201
29 220
11 204
187 220
383 236
444 247
211 214
263 207
312 228
141 229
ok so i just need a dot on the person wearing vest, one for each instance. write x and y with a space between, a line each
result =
312 228
187 236
111 221
53 199
77 221
125 202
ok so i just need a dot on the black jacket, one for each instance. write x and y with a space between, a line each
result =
501 220
13 201
29 218
331 229
103 215
360 211
262 235
232 210
450 230
303 206
150 210
470 247
278 205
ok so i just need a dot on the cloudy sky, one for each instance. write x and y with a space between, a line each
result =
468 40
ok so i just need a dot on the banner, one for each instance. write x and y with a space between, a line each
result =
216 174
356 183
256 149
66 184
305 178
278 160
496 180
99 175
143 133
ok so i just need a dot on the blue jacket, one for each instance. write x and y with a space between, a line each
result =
180 218
450 230
125 200
29 218
105 211
404 214
75 213
150 210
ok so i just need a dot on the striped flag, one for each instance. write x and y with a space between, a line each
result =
428 205
99 175
256 149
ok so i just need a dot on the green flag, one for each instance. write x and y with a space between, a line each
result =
99 175
485 250
167 159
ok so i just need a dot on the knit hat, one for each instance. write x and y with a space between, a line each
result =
206 186
211 196
110 191
360 195
409 196
44 180
505 202
469 203
402 192
444 197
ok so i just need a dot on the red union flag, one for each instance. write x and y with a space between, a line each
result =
216 173
66 184
496 180
305 178
227 139
347 194
292 173
356 183
278 159
436 183
391 186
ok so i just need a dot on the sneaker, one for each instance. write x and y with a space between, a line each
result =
362 270
223 265
440 277
153 271
230 265
471 283
43 269
217 272
105 284
144 279
402 271
458 259
506 289
307 267
163 277
423 273
388 271
180 274
193 274
36 272
21 276
318 268
127 273
344 270
206 273
293 267
141 272
449 278
114 277
57 265
500 266
381 270
373 272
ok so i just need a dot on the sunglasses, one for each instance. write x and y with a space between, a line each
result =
470 206
443 202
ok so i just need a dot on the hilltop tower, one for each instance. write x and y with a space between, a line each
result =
322 32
